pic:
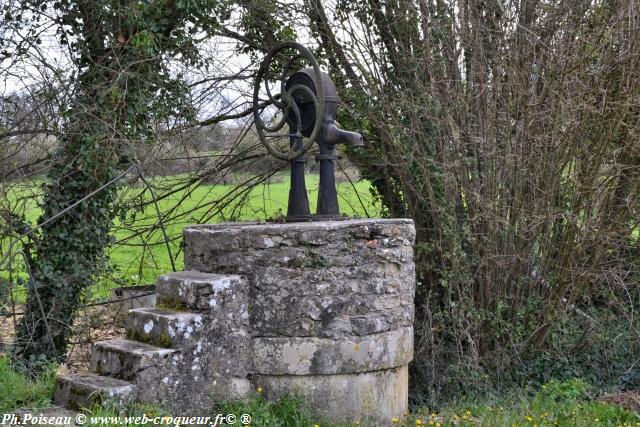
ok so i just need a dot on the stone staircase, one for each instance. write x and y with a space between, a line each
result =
184 354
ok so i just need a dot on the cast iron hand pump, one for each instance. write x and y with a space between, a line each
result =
308 101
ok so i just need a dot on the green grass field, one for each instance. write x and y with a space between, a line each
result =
140 254
141 258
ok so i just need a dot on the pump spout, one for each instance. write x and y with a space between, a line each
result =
334 136
347 137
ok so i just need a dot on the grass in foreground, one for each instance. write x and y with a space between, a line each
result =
18 391
287 411
567 403
562 404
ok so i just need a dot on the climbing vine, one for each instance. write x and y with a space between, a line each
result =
123 85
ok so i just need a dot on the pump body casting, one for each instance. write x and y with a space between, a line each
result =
309 102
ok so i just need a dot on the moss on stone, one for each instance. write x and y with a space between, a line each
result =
315 260
167 303
136 336
165 340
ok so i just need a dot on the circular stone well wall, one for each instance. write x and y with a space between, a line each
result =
330 308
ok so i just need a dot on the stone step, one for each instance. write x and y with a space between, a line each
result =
57 416
85 390
162 327
120 358
195 290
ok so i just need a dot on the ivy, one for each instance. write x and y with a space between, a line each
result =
121 52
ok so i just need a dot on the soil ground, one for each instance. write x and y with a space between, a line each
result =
93 324
628 400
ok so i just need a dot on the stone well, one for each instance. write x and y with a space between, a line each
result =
330 307
319 309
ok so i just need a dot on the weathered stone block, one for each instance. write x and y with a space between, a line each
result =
77 391
322 356
125 359
201 291
318 279
212 248
280 314
212 363
129 297
192 381
330 308
164 328
371 398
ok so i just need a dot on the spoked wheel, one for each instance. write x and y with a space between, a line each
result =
280 60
